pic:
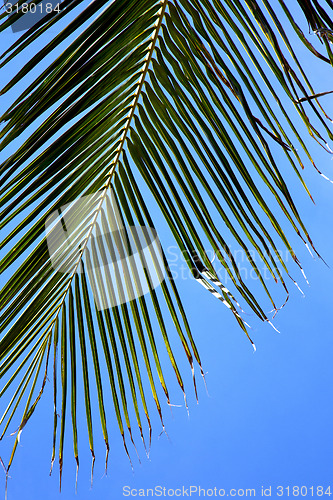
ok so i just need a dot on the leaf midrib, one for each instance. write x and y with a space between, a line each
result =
119 150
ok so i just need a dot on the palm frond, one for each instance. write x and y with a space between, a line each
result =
189 97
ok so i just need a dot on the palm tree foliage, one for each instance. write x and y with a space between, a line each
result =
189 97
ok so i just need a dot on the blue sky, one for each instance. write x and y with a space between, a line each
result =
268 418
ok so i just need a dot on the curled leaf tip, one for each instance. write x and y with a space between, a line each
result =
77 472
271 324
92 468
305 277
106 458
51 468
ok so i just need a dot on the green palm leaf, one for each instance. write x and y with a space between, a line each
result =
188 97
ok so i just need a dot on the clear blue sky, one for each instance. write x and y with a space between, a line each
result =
268 418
